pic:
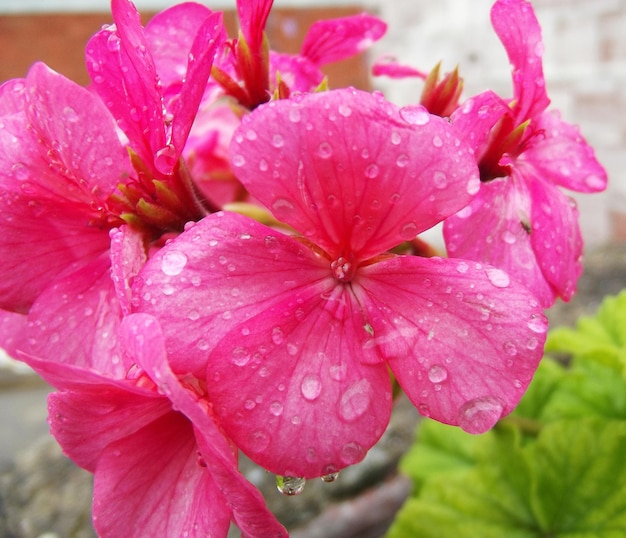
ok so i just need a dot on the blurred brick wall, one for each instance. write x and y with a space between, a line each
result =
60 39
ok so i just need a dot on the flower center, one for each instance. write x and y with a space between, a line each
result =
343 269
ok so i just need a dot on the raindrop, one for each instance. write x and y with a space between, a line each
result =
479 415
278 141
396 138
510 349
440 179
594 182
290 485
462 268
20 171
408 231
345 110
351 453
415 115
263 166
70 114
251 134
497 277
113 42
402 160
473 185
330 477
277 336
355 400
239 160
372 171
538 324
437 142
240 357
311 387
294 115
281 206
509 237
437 374
259 440
276 408
173 262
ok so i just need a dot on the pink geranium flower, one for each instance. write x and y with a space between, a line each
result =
296 333
521 221
162 467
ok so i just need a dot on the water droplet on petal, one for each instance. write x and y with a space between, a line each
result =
497 277
345 110
509 237
277 336
240 356
415 115
290 485
408 231
173 262
479 415
281 206
311 387
238 160
372 171
355 400
278 141
437 374
70 114
276 408
396 138
538 324
473 185
440 179
330 477
351 453
437 142
294 115
462 268
258 440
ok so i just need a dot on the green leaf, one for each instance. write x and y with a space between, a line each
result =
440 448
570 483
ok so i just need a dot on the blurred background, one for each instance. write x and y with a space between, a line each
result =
585 68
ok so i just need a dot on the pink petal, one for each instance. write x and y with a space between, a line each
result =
143 338
11 324
40 239
350 171
75 321
333 40
477 116
296 71
128 256
185 106
556 237
249 307
170 34
86 420
462 339
389 67
152 483
561 155
495 228
76 134
517 27
253 16
124 75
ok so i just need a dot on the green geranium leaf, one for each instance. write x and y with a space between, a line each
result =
440 448
570 483
544 384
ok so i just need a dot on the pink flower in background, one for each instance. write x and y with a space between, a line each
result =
162 467
520 220
295 333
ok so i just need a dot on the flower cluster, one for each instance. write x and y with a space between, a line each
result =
207 251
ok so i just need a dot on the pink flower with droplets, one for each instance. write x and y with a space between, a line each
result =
161 465
520 220
297 329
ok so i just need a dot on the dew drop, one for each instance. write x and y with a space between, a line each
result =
251 135
240 357
437 374
258 440
473 185
408 231
538 324
239 160
509 237
280 206
372 171
278 141
290 485
173 262
311 387
396 138
351 453
263 166
355 401
402 160
345 110
497 277
415 115
294 115
330 477
278 336
479 415
70 114
276 409
20 171
462 268
437 142
440 179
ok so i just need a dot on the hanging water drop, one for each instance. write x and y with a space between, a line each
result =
290 485
330 477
